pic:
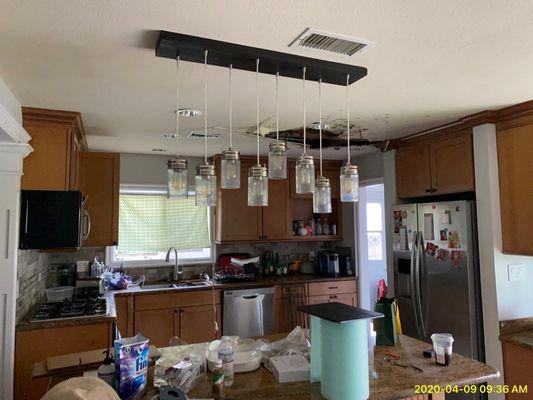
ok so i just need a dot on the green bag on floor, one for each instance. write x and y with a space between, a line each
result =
386 330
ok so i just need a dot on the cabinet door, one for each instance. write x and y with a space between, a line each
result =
333 174
47 167
277 222
452 164
100 183
349 299
413 176
124 308
197 323
157 325
235 221
515 148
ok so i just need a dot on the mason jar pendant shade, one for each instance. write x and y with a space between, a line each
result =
230 177
177 178
349 177
257 175
322 196
305 174
349 183
277 161
206 185
258 186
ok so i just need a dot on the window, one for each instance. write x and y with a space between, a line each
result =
149 224
374 226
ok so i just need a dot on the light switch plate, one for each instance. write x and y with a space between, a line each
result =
516 272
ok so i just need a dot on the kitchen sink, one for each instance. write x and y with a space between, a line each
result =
176 285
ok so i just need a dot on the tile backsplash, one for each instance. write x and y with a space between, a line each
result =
32 276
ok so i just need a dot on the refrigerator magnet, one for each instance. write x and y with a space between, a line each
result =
445 217
431 249
456 257
453 240
429 232
441 255
444 235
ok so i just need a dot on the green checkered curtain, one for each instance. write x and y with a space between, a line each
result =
151 224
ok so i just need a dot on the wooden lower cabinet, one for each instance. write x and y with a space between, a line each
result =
124 310
36 345
157 325
349 299
197 324
516 363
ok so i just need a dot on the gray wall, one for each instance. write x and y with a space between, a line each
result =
370 166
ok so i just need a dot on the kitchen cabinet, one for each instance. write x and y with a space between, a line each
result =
187 315
515 371
57 140
342 291
100 182
157 325
34 345
236 222
437 165
515 150
124 310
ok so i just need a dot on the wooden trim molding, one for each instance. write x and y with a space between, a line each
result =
70 119
518 114
12 128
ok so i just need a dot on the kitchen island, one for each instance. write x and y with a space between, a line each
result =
395 380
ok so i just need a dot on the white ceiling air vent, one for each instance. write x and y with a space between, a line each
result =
333 42
212 133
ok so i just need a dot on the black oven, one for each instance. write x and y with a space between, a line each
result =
52 219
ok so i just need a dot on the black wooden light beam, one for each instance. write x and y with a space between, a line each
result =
222 54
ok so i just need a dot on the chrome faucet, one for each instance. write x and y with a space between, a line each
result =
177 272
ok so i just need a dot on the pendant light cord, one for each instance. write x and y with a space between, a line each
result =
348 115
230 110
205 106
303 102
257 104
320 121
277 107
177 105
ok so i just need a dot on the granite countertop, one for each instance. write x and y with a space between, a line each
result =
393 382
25 323
518 332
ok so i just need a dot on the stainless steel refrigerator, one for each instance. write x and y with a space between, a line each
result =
436 273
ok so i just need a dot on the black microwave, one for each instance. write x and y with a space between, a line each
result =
52 219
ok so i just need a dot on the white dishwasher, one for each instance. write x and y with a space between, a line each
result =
248 312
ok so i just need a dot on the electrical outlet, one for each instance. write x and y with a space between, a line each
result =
516 272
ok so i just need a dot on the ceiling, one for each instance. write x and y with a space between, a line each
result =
433 62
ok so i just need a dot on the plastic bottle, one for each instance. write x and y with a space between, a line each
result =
225 354
106 371
217 388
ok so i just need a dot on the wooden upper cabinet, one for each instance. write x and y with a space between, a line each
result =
277 223
515 155
452 164
439 165
413 175
57 138
333 173
234 220
100 181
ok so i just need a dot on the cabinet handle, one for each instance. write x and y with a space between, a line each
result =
333 287
428 190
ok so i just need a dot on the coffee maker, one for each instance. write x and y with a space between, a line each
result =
328 263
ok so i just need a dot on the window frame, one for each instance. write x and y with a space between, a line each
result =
111 259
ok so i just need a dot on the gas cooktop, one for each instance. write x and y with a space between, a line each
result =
79 306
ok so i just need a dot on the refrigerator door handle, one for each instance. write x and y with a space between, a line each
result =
420 265
414 277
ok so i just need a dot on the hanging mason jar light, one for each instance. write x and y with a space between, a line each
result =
322 193
230 176
177 167
206 179
277 154
257 176
349 177
305 165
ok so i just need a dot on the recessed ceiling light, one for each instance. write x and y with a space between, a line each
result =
159 150
188 112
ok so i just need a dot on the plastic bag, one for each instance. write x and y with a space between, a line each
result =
181 365
296 343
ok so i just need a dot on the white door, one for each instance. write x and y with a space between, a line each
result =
372 249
